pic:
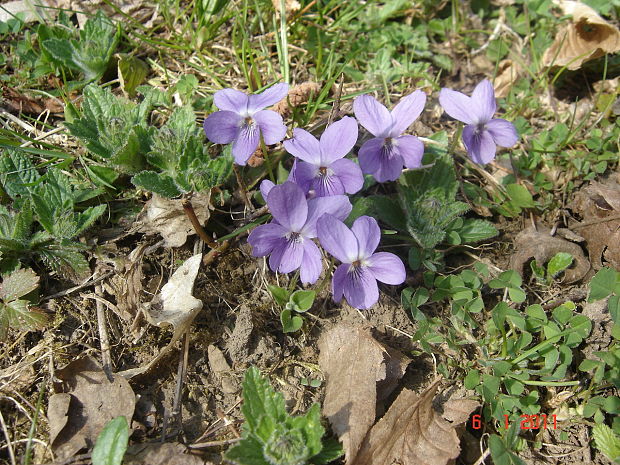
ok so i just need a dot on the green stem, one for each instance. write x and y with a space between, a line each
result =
263 147
542 345
549 383
293 282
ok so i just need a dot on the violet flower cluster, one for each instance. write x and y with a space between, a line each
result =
312 204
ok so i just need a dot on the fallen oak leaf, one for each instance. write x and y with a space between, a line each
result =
85 401
586 37
353 363
538 244
161 454
168 219
412 433
175 306
599 206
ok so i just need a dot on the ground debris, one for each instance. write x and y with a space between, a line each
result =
353 363
599 206
538 244
586 37
176 306
161 454
85 400
412 433
168 219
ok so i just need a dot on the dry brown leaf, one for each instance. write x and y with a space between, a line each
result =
298 95
353 363
290 6
126 285
538 244
167 218
176 306
507 74
161 454
412 433
84 402
16 102
586 37
599 206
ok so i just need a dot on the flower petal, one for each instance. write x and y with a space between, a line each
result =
480 146
411 149
349 173
406 112
303 174
390 167
340 277
271 126
304 146
287 257
360 288
265 238
369 155
336 205
231 100
457 105
503 132
267 98
337 239
338 140
222 127
245 144
368 234
483 98
327 185
311 263
287 203
372 115
265 188
387 268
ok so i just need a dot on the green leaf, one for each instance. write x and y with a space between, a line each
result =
158 183
559 263
613 304
472 379
248 451
519 195
290 323
132 72
604 283
302 300
17 314
501 454
607 441
475 230
17 173
428 198
111 443
18 284
280 295
259 399
331 451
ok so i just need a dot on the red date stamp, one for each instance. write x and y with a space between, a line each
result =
528 422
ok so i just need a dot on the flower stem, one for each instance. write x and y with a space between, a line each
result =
263 147
242 189
293 282
191 215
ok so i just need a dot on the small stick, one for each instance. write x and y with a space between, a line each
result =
78 287
104 339
336 106
244 192
8 440
176 404
191 214
601 220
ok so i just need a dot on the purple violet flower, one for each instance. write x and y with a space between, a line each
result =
322 167
384 155
483 132
361 268
288 238
242 120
